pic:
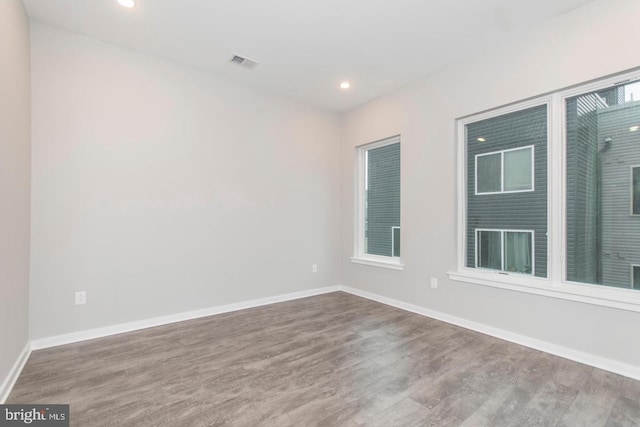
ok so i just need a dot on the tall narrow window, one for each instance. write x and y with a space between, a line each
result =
378 219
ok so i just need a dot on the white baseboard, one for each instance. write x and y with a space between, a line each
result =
625 369
90 334
610 365
14 373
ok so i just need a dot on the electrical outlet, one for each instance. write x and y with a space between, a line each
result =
434 283
314 268
81 297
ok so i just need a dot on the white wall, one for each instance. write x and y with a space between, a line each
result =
591 42
15 135
158 189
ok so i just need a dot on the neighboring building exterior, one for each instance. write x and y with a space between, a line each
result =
382 195
503 199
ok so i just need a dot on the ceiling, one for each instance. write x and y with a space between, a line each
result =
306 47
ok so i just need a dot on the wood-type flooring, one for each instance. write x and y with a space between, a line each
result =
328 360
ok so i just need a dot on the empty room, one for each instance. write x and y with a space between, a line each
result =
331 213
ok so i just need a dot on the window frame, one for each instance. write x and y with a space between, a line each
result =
502 190
502 232
555 284
359 255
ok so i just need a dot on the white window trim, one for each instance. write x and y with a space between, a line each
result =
502 190
360 257
392 263
502 232
555 284
631 168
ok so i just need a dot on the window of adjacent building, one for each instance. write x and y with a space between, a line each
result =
635 190
506 171
395 241
506 155
378 220
550 191
635 276
505 250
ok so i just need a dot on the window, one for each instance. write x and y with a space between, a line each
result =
635 276
506 155
378 211
602 145
549 195
505 250
506 171
635 190
395 241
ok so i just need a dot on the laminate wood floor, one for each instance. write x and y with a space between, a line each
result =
328 360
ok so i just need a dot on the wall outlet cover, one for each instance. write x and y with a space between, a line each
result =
81 297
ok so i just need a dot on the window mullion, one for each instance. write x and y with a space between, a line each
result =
556 187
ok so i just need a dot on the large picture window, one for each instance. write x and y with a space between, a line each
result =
602 144
378 216
506 155
549 195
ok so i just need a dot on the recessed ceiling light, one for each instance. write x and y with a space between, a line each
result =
127 3
345 85
481 139
634 128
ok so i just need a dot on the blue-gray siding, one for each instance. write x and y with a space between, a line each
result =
620 230
382 198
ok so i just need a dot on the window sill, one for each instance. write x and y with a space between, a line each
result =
379 261
625 299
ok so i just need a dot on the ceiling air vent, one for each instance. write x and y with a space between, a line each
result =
247 63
